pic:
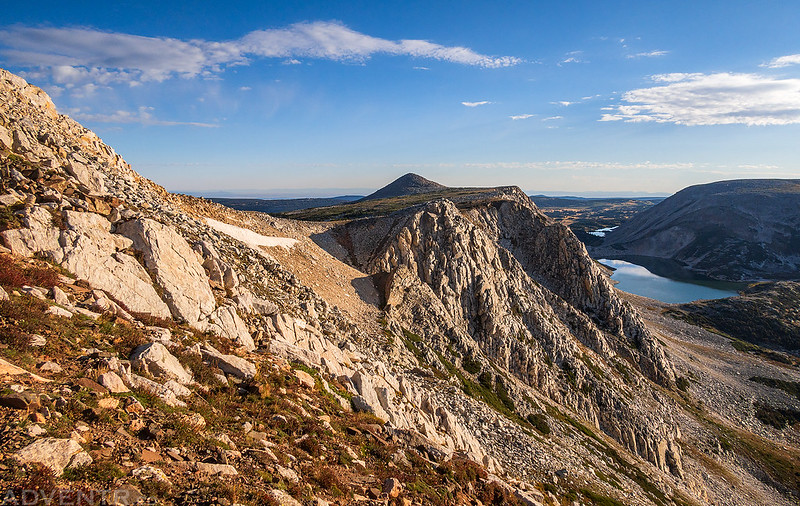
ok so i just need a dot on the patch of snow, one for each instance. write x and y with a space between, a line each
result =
249 237
602 231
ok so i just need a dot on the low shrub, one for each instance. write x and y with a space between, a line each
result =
539 422
15 274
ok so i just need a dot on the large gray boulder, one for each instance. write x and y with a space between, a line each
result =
226 322
57 454
88 249
230 364
175 267
156 359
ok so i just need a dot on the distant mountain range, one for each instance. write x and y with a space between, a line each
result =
739 230
407 185
273 206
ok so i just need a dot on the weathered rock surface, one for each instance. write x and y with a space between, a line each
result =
88 249
226 322
174 266
477 281
230 364
220 274
156 359
112 382
57 454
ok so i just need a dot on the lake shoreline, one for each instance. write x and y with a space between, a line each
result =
640 280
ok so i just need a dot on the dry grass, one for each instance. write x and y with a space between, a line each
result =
16 274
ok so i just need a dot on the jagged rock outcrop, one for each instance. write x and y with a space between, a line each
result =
478 279
174 266
87 248
551 254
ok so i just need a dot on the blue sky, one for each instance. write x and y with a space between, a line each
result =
324 98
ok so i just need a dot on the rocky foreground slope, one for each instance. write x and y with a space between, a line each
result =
740 230
462 351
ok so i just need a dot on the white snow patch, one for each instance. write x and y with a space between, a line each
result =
249 237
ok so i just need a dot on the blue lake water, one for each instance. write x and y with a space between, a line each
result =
636 279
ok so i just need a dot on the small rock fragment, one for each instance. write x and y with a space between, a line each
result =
392 487
304 378
113 383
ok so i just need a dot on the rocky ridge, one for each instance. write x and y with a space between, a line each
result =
73 201
187 326
448 274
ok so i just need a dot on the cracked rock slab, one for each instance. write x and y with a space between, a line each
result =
57 454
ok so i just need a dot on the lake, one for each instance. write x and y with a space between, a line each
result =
636 279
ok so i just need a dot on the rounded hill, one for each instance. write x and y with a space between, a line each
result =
409 184
738 230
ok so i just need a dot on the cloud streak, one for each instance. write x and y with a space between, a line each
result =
78 55
783 61
712 99
476 104
648 54
143 116
522 116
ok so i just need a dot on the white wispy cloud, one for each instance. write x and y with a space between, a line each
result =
144 116
648 54
522 116
783 61
80 55
573 57
712 99
476 104
94 53
552 118
565 103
